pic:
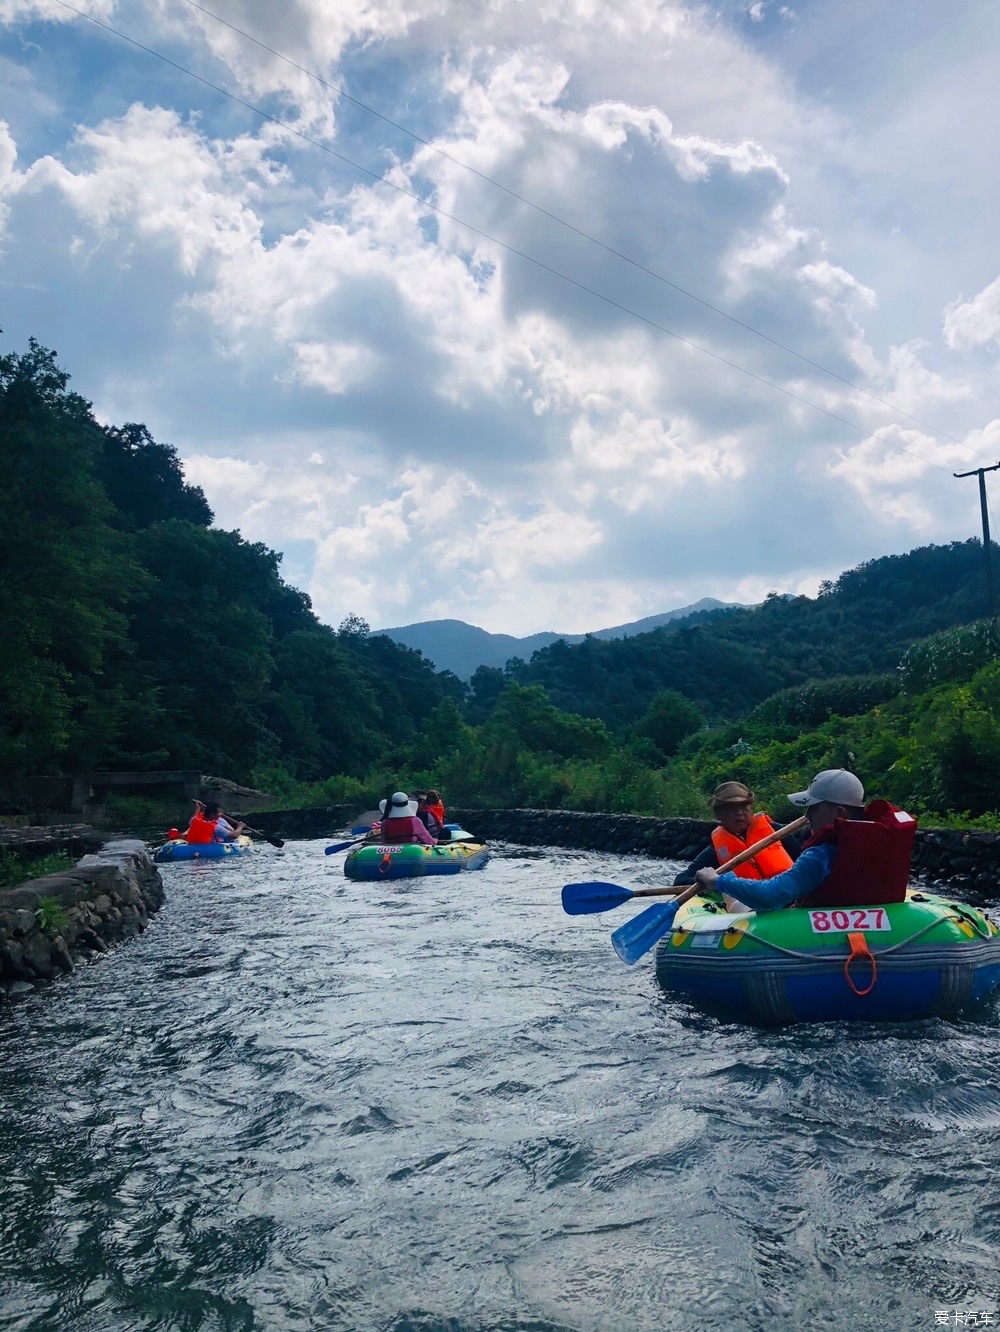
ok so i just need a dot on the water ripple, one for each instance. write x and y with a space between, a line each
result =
443 1106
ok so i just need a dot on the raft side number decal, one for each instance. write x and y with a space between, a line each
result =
851 918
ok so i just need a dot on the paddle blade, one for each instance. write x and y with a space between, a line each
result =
586 899
360 828
634 939
339 846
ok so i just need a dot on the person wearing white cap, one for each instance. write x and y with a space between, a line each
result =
399 821
870 864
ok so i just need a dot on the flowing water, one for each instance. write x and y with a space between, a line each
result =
443 1106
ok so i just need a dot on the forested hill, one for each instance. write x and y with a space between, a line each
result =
859 624
133 634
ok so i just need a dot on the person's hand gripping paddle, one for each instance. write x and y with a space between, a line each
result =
634 939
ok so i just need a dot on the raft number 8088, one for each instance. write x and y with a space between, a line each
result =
853 918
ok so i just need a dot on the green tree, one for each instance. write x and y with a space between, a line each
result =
65 574
668 720
144 480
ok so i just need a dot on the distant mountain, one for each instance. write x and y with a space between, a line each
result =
453 645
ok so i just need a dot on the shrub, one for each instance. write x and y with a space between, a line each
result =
813 703
950 657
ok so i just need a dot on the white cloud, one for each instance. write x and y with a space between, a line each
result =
974 323
441 423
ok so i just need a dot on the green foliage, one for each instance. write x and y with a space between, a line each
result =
952 656
859 625
133 635
16 869
485 687
144 480
668 720
813 703
65 573
51 916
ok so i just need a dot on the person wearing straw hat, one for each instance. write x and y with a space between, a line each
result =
739 827
400 822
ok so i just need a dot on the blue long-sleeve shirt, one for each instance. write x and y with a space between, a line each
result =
808 872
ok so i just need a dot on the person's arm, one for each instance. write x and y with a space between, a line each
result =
706 860
808 872
422 834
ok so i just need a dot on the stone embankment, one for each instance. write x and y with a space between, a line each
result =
48 924
74 838
967 862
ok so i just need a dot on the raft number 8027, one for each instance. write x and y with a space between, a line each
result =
853 918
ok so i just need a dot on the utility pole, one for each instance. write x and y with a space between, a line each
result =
987 552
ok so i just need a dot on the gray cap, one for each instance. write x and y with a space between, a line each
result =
837 785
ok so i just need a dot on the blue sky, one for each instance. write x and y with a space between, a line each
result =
428 424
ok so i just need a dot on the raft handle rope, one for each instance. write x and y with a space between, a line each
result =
970 918
859 949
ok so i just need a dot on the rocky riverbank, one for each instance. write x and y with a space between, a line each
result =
76 839
967 862
49 924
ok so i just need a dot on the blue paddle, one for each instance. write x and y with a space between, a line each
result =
586 899
639 935
342 846
645 930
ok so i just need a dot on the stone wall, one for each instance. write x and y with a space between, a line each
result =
74 838
968 862
47 924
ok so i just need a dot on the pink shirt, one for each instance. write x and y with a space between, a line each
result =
404 826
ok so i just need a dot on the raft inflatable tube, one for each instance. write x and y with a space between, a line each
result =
411 860
179 849
927 956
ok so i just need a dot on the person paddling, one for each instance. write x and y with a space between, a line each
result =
204 826
857 855
400 823
225 829
738 828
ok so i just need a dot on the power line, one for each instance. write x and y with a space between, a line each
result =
494 240
585 235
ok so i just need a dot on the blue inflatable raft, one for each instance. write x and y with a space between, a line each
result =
179 849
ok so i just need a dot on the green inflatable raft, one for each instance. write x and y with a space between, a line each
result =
411 860
924 957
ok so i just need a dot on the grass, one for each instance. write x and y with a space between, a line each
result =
16 869
51 916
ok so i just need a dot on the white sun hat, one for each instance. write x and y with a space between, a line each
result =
402 807
836 785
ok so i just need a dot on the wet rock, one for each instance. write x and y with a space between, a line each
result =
106 897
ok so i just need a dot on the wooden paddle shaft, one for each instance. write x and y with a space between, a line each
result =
740 859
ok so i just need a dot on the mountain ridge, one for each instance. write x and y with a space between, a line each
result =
455 645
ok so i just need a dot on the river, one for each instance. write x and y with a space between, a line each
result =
443 1106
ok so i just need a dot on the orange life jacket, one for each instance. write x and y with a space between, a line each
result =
872 863
438 809
765 864
200 830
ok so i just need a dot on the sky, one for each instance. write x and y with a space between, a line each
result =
539 314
